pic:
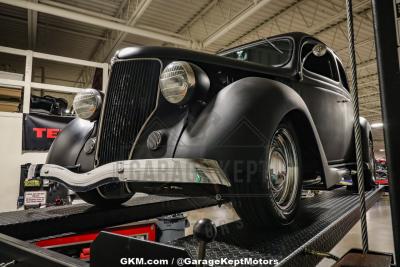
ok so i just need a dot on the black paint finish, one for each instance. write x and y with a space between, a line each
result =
235 118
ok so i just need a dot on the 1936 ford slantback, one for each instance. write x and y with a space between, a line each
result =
253 124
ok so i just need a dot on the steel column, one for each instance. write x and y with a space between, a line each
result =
389 80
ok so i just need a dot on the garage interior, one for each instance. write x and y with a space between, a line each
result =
74 41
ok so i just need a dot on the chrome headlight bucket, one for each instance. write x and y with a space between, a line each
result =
87 104
177 82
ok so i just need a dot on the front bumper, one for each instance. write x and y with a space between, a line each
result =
172 172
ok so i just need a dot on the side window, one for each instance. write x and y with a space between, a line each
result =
343 76
324 65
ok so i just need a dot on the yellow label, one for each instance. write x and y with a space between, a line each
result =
32 183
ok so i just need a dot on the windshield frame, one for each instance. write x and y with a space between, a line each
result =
260 42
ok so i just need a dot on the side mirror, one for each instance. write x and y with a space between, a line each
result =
319 50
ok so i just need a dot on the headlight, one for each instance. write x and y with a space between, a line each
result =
87 104
177 82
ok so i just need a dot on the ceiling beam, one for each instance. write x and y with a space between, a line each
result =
60 29
204 10
236 20
370 110
339 17
106 49
133 19
82 11
32 27
317 29
268 20
375 102
55 11
373 116
369 95
365 64
375 81
358 44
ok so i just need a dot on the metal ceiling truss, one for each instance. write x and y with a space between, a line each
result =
199 16
113 38
125 21
96 20
234 21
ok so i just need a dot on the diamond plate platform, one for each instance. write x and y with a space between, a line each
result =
322 223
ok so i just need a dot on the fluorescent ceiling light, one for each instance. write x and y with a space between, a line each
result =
377 125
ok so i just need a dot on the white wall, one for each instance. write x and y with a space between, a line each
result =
11 157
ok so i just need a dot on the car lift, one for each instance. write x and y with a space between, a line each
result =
323 220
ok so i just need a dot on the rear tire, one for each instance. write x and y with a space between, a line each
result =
273 195
369 170
94 197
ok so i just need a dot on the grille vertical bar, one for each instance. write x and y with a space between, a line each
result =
131 97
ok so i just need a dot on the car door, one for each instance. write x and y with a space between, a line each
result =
327 102
348 112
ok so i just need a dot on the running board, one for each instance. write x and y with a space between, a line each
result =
336 175
312 181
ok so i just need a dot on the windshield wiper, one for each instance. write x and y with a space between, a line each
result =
273 46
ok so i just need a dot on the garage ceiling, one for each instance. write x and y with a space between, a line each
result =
208 25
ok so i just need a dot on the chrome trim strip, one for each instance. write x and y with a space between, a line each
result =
164 170
96 158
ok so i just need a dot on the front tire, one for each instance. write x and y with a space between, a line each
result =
273 195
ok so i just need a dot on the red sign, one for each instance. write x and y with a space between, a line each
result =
40 130
49 133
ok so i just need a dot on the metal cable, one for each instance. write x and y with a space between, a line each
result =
357 128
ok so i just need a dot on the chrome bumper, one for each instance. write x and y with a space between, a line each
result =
161 171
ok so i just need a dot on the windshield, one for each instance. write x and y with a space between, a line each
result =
272 53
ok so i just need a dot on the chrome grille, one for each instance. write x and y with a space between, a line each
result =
131 98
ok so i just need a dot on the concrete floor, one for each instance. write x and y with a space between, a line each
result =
380 236
378 221
219 215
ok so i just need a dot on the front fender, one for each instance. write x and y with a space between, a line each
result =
66 148
238 124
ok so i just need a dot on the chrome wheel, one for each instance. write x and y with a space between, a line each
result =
283 169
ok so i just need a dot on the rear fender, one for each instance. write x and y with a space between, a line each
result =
366 134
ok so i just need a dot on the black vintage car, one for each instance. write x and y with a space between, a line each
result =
253 124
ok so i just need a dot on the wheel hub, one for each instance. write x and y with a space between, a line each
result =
283 169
